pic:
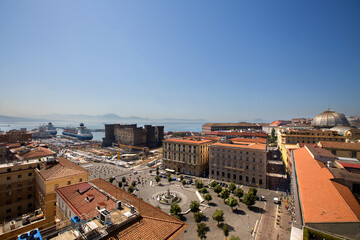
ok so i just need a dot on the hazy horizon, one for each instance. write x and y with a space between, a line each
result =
219 61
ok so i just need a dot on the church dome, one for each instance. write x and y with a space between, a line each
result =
329 119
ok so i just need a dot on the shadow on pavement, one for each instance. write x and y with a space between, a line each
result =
256 209
238 211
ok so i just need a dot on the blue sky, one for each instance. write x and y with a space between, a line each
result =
217 60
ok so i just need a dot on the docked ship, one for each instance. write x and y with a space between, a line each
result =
81 132
51 129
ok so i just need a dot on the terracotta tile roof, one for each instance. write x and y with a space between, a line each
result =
340 145
148 228
322 200
254 146
38 152
181 140
251 140
155 223
63 169
211 138
242 124
79 203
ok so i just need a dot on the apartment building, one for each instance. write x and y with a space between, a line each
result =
14 136
52 174
101 210
342 149
239 162
189 156
209 127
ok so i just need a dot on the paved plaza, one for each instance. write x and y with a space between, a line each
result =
257 222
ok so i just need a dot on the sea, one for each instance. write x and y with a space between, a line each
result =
98 136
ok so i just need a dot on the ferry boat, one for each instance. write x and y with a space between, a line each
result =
81 132
51 129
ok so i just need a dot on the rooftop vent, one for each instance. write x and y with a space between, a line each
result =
89 197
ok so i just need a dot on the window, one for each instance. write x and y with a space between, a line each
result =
9 170
69 182
19 208
247 167
234 176
217 173
240 177
223 174
8 210
228 175
353 154
29 196
19 199
260 181
247 179
30 174
8 178
212 172
19 176
253 180
80 180
29 205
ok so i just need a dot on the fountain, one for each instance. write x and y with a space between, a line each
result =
168 197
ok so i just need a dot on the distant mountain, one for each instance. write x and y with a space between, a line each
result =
7 119
109 117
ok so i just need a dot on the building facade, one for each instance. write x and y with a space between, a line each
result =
51 175
130 134
239 163
14 136
189 156
342 149
209 127
104 211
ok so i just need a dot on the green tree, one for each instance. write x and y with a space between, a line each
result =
123 179
169 179
194 206
150 171
203 190
120 184
175 209
253 191
130 189
181 177
217 189
273 136
183 182
232 187
225 229
111 180
198 184
232 202
133 183
249 199
225 193
198 217
201 230
208 197
239 193
218 216
157 179
157 171
213 184
234 237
